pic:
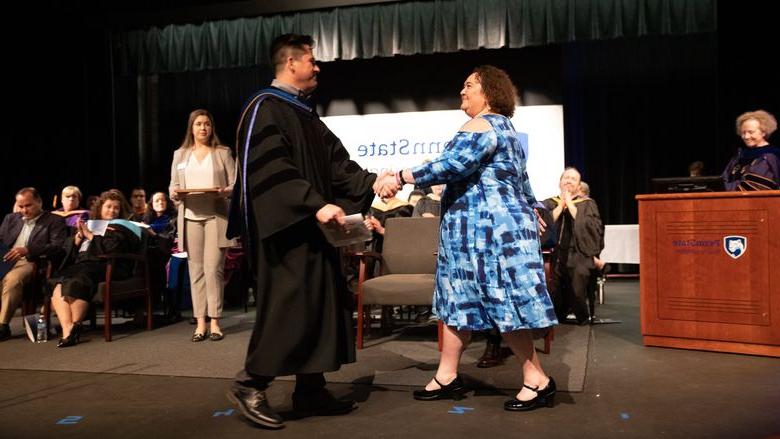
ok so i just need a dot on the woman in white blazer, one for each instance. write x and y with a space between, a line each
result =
201 162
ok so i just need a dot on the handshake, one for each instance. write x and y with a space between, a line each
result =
387 184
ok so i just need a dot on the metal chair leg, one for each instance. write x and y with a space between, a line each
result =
600 282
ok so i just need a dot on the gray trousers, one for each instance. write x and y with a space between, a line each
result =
206 263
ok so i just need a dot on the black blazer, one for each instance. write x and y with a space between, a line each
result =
46 239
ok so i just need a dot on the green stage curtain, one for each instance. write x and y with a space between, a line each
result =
407 28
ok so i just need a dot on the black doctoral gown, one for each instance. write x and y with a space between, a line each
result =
294 166
578 239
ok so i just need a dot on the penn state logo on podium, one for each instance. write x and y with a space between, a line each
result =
735 246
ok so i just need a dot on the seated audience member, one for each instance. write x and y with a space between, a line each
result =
70 200
381 210
430 205
696 169
75 283
415 196
138 204
580 238
756 166
161 217
91 201
28 234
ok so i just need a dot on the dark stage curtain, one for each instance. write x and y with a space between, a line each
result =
407 28
635 109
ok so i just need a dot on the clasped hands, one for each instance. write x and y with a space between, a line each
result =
387 185
82 232
568 202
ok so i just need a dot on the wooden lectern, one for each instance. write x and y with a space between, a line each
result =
710 265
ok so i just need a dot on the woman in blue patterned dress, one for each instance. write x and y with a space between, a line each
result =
490 271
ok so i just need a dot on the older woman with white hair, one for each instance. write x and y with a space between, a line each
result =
756 166
71 200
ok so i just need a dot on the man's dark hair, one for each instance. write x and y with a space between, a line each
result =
32 191
415 192
696 166
283 44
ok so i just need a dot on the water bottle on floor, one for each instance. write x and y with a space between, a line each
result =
43 331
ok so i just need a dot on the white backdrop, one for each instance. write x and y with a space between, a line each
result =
402 140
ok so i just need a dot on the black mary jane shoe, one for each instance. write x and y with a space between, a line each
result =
216 336
453 390
544 397
198 336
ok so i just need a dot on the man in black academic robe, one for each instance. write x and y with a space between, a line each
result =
580 239
294 174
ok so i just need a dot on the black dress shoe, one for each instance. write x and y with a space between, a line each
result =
253 404
544 397
492 356
453 390
321 403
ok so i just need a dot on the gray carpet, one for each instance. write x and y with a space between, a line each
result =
408 357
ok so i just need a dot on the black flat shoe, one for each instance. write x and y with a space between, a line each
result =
196 337
453 390
544 397
216 336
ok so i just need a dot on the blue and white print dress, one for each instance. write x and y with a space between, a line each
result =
490 270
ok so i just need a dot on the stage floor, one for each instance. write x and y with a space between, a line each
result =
132 388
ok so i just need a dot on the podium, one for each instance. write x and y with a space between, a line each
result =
710 265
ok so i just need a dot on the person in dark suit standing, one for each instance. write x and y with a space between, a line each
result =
28 234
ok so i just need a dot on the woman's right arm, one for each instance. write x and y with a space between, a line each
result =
460 159
174 184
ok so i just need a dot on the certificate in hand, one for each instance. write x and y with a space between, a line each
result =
353 232
196 191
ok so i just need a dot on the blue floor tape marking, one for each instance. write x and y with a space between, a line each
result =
227 412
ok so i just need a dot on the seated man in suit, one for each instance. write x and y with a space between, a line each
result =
29 233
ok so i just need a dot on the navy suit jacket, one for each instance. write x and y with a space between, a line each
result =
46 239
